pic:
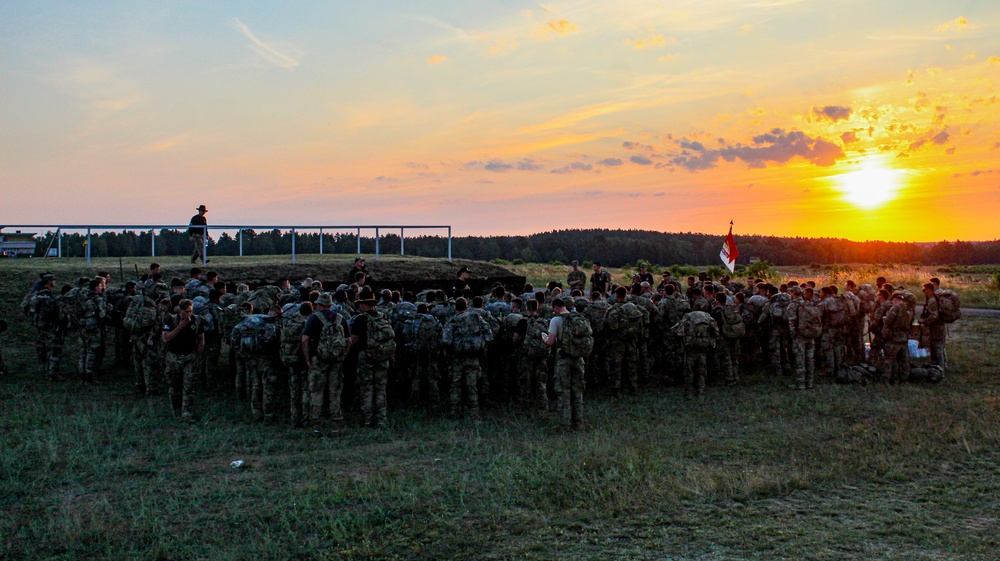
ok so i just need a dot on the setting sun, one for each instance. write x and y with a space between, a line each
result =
871 186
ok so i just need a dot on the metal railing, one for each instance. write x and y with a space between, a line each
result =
89 228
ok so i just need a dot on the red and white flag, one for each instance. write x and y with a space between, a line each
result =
729 252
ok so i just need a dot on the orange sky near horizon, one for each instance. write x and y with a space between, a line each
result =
791 118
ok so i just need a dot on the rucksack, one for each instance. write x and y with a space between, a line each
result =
201 308
332 342
949 306
857 374
497 309
534 345
73 307
197 287
625 320
910 300
469 333
402 313
700 331
779 305
853 303
46 310
810 319
421 333
255 335
292 325
577 336
838 311
732 326
381 338
139 317
597 314
673 310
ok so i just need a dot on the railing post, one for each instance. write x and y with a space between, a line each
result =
359 241
59 241
402 245
449 243
88 248
204 246
293 246
240 234
321 241
376 243
152 242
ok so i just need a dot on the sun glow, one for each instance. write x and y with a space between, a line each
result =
871 186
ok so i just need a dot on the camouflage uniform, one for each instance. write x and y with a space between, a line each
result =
579 277
932 319
727 349
466 331
672 310
804 324
373 375
51 330
182 371
92 311
875 324
569 383
896 332
263 375
597 362
832 340
624 352
695 350
778 334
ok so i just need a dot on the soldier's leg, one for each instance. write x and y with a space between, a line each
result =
631 364
317 388
690 359
577 385
700 371
295 394
138 368
734 358
473 372
774 352
366 390
810 362
559 383
433 379
269 378
456 385
380 378
254 370
175 383
241 377
616 358
190 374
540 379
801 356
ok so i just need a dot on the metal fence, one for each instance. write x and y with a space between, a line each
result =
89 228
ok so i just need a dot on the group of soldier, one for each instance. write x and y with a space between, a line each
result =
317 345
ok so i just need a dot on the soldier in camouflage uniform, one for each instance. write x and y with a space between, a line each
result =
672 309
896 332
325 374
576 279
834 318
141 318
569 379
731 328
876 322
293 322
92 312
184 339
467 334
625 327
425 357
699 332
931 317
373 371
534 370
772 318
47 312
600 280
262 371
805 322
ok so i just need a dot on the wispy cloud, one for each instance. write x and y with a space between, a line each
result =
653 41
267 52
437 59
958 24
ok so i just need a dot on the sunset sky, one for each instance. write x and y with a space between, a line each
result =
856 119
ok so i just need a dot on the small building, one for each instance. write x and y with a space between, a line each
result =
13 244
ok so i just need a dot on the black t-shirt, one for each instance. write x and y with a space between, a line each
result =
647 277
186 342
197 220
360 328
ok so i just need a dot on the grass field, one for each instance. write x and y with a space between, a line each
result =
842 472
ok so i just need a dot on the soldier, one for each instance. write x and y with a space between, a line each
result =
600 280
836 315
534 371
326 338
293 321
876 322
772 318
854 343
92 312
805 324
625 324
571 334
196 286
47 313
597 362
510 347
672 309
258 339
197 232
375 339
896 332
731 329
576 279
140 320
931 317
699 332
467 334
422 334
184 339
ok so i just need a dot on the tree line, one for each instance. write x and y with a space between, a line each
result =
611 247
